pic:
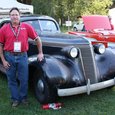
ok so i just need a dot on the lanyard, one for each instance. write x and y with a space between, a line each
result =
15 34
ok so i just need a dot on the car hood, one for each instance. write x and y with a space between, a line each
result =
63 37
96 22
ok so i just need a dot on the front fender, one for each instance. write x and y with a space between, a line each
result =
59 71
106 65
62 72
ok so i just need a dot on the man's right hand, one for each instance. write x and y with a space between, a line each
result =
6 64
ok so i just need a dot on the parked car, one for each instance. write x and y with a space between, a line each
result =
79 26
72 65
98 27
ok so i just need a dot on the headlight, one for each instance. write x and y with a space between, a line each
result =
99 48
70 51
73 52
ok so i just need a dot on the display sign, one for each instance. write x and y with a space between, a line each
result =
68 23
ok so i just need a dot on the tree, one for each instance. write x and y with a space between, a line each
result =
98 7
62 9
44 7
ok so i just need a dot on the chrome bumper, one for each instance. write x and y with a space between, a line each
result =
88 88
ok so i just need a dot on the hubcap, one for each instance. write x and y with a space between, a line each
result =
40 86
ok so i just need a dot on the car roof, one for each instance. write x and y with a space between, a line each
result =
29 17
92 22
36 17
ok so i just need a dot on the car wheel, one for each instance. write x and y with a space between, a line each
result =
75 29
43 92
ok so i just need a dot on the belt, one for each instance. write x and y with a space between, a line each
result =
16 53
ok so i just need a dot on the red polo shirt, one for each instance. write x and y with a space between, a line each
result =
7 36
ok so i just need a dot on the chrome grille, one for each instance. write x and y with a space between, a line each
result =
88 62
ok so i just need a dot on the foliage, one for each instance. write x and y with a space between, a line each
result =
69 9
98 7
44 7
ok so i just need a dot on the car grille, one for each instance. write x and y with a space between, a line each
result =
88 62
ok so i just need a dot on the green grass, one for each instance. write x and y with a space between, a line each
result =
97 103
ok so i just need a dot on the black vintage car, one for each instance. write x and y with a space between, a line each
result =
71 66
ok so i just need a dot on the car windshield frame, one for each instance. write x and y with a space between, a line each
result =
48 25
43 25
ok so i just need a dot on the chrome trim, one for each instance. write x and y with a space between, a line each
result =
88 88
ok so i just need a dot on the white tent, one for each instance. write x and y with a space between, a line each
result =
6 5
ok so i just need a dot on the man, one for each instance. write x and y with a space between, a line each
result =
110 20
13 52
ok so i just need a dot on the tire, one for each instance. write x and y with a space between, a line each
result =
43 92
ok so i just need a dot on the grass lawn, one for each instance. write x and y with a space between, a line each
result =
98 103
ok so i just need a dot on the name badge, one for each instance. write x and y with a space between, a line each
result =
17 46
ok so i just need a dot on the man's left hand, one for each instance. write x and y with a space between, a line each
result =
40 56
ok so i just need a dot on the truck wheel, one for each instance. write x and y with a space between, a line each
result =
44 93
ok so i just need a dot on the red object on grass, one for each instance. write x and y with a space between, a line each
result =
52 106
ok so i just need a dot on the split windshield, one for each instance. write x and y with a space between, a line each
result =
43 25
